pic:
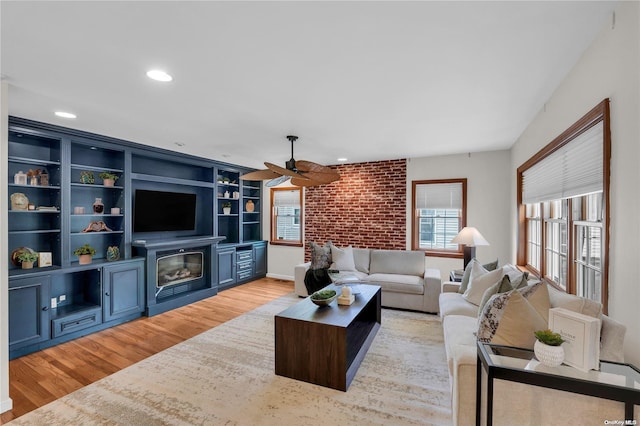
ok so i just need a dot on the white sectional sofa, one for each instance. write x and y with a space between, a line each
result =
515 403
405 281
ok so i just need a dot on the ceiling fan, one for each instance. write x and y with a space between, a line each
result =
301 172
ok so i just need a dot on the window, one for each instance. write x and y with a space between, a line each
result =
439 208
286 216
563 194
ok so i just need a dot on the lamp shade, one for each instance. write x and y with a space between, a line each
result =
470 236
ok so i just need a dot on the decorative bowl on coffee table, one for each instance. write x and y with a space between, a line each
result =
323 297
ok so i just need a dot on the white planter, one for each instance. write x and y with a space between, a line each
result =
226 210
551 356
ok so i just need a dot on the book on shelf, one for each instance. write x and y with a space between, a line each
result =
582 337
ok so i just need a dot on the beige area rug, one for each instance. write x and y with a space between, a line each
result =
225 376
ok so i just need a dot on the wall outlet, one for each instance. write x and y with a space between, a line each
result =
63 297
54 303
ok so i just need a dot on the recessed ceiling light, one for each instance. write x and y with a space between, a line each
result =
159 75
65 114
342 159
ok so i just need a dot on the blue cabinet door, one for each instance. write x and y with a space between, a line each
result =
29 311
123 289
260 259
226 267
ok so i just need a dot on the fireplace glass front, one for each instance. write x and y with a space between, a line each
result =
178 268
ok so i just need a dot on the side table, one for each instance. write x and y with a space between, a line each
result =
456 275
615 381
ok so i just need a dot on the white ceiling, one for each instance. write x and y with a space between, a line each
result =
362 80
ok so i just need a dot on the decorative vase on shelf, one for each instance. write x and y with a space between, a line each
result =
551 356
98 207
226 194
113 253
250 206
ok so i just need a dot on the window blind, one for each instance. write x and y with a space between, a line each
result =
287 198
439 196
573 170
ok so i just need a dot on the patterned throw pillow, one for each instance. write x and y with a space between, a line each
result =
502 287
320 255
511 318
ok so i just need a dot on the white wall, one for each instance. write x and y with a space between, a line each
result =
280 259
5 401
488 184
608 69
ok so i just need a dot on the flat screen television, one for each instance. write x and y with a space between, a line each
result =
163 211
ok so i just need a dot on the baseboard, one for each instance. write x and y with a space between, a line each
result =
281 277
6 405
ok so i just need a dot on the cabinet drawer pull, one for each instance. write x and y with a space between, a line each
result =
45 308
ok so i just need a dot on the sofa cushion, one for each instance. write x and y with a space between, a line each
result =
467 273
320 255
398 283
502 286
511 318
454 304
362 258
458 331
401 262
342 258
480 281
574 303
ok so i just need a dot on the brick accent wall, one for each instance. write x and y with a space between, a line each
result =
366 208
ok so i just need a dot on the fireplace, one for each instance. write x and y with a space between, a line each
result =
178 271
178 268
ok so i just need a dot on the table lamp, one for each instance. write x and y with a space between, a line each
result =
469 237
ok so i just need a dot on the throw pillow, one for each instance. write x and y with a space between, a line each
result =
501 286
511 318
480 281
465 277
343 258
467 273
320 255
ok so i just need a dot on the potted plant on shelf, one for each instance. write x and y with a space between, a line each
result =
226 208
108 179
27 259
548 348
85 254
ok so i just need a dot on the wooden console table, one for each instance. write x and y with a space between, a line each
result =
325 345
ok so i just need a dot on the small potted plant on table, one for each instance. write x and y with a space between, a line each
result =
108 179
547 348
27 259
85 254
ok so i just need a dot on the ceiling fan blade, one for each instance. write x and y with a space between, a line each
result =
304 182
310 166
282 170
277 181
322 178
260 175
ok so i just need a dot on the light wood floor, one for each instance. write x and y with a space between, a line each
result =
39 378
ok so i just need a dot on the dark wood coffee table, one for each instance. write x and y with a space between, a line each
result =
325 345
